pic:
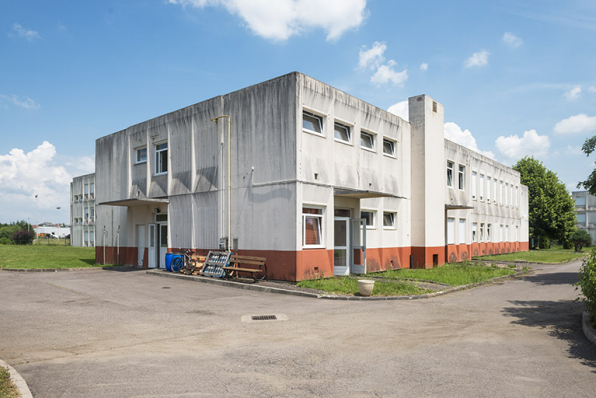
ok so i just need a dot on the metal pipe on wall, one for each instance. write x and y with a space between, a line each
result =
215 119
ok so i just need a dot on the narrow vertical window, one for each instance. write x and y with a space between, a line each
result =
516 194
487 189
506 194
495 190
474 193
450 174
312 227
488 230
501 193
501 234
161 158
462 231
474 232
461 177
451 231
481 237
481 187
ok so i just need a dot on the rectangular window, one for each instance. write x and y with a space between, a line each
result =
92 188
511 195
516 194
450 174
495 191
506 192
451 231
580 201
369 216
462 177
488 230
367 141
388 147
91 238
501 193
462 231
86 189
161 158
86 213
312 227
506 233
487 189
517 233
92 212
141 155
474 232
501 234
388 219
312 123
474 185
581 218
481 237
481 187
86 238
342 132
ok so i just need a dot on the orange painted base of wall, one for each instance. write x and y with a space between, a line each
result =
457 253
428 257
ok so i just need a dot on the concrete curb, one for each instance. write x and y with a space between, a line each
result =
268 289
589 330
62 269
19 382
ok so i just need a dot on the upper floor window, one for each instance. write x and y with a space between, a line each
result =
388 219
481 186
342 132
487 189
141 155
495 191
92 188
312 123
450 174
580 201
462 177
367 141
474 185
388 147
161 158
86 189
581 218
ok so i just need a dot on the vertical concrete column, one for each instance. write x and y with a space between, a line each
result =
428 178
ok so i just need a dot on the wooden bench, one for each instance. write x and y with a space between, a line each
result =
257 273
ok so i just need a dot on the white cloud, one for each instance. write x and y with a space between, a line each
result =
592 89
27 34
477 59
424 66
385 73
281 19
512 40
25 102
400 109
573 93
531 144
581 123
465 138
39 172
574 150
373 57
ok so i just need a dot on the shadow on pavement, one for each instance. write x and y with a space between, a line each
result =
558 278
562 319
123 268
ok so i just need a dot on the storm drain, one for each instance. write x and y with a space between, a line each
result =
257 318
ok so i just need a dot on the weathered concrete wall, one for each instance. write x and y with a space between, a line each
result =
79 225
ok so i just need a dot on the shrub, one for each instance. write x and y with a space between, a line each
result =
544 242
5 241
580 239
567 245
23 237
587 283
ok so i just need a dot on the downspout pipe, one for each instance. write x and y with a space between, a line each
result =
118 244
215 119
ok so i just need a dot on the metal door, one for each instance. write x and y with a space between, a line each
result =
341 247
152 263
358 246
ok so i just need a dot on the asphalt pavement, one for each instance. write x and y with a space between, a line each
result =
123 333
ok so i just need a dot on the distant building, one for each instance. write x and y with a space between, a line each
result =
82 211
47 229
585 211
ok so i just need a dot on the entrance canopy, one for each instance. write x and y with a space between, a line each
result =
361 194
135 202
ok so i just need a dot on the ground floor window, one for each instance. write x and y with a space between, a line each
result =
389 219
451 231
369 216
312 227
488 230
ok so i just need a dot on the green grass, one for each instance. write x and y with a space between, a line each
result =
7 387
348 285
551 256
451 274
40 256
52 242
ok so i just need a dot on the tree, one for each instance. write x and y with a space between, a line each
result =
590 183
23 237
550 204
580 239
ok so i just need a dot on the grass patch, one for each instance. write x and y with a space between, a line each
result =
348 285
451 274
40 256
7 387
549 256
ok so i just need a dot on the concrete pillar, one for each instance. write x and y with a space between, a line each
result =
429 179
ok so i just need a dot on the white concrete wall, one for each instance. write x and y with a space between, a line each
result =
79 225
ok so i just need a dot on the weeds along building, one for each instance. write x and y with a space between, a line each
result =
317 181
82 211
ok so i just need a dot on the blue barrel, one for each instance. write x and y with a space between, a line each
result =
169 258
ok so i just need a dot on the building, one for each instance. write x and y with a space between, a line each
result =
317 181
82 211
585 211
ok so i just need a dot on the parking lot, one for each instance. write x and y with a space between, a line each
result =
115 333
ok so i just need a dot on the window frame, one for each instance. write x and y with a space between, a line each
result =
462 231
450 181
373 139
488 181
461 177
450 231
317 116
488 232
473 184
474 232
481 190
393 215
373 218
584 217
481 232
346 126
138 150
321 218
159 160
393 143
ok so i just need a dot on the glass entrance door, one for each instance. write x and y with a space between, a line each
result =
341 247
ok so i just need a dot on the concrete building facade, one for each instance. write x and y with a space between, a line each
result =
82 211
585 211
317 181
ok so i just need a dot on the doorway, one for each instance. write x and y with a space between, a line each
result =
341 246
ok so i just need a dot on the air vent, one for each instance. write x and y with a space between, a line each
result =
264 318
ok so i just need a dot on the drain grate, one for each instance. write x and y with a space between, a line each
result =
264 317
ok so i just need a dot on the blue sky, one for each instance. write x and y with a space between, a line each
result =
516 77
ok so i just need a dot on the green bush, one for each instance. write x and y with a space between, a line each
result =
587 283
5 241
23 237
544 242
567 245
580 239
